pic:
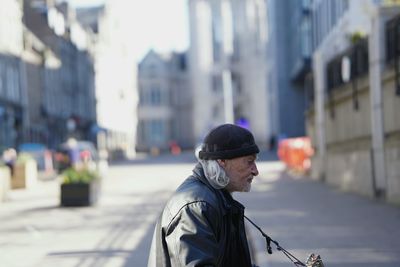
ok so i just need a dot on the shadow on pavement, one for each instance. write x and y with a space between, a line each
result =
127 241
306 216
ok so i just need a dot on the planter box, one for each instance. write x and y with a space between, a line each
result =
5 182
80 194
25 175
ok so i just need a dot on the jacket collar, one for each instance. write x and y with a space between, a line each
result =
224 195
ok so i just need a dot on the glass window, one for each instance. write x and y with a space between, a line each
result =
306 37
314 29
155 96
236 36
215 112
17 94
320 24
10 86
217 83
141 131
217 37
141 96
237 83
1 79
157 131
152 69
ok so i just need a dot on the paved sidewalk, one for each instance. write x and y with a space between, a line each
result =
307 216
304 216
36 232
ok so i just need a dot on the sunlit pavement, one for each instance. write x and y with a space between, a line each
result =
306 216
303 215
36 231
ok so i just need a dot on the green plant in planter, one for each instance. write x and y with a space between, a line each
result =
78 176
79 187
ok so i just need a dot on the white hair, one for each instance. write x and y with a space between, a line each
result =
214 173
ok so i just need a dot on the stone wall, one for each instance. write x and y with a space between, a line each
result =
348 163
391 110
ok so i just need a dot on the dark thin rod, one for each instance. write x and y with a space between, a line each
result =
269 239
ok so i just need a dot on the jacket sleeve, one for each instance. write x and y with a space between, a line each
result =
192 236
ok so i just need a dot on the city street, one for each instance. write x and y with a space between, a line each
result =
304 216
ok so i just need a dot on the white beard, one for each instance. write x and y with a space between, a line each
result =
247 188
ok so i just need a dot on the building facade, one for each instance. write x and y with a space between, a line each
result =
228 67
12 94
288 56
63 99
116 87
46 75
352 123
165 103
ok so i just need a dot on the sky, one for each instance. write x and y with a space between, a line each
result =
161 24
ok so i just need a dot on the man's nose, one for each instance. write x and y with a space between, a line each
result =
254 171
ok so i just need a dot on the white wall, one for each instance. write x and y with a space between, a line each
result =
11 27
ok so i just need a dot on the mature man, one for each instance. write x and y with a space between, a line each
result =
202 225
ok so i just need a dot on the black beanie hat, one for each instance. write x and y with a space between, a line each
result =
228 141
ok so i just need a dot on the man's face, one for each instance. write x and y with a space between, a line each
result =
241 172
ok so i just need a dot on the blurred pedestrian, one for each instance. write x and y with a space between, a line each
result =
73 153
9 158
272 142
202 225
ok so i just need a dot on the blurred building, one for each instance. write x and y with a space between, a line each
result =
227 62
288 59
64 79
46 74
39 61
165 103
88 17
352 123
12 95
116 86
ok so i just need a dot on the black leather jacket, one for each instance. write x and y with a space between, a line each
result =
200 226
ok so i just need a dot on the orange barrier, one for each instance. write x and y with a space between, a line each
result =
296 153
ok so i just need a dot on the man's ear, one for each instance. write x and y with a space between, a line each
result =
221 162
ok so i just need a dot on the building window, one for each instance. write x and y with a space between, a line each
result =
217 83
216 112
157 131
152 70
141 97
320 23
392 39
217 37
17 93
236 83
305 37
258 30
12 84
1 79
155 96
358 55
393 48
315 28
236 36
141 131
